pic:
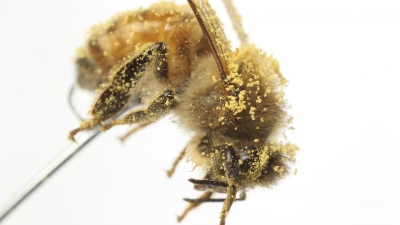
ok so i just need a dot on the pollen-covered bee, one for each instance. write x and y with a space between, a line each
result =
178 60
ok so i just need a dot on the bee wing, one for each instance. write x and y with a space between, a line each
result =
209 23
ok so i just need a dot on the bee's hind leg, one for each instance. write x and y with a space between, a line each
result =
123 79
155 110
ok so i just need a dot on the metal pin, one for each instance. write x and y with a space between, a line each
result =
83 139
47 171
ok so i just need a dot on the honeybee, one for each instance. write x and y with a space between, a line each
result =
178 60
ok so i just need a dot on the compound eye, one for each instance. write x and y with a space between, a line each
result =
245 163
246 159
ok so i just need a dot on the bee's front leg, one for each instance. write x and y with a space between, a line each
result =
204 197
242 197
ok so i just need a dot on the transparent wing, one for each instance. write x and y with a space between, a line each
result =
211 26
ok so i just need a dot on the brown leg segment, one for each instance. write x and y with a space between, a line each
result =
123 79
242 197
236 20
177 160
156 109
133 130
192 205
87 124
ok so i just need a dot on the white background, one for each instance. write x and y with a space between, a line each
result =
340 56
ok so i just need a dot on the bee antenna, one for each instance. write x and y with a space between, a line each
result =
211 183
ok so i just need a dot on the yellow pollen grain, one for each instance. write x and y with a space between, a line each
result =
267 91
252 112
258 99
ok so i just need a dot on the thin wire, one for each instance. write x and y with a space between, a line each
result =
51 168
71 104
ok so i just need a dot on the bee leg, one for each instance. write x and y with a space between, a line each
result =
175 164
236 20
206 195
156 109
133 130
242 197
123 79
161 73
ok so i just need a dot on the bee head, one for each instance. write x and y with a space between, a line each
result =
247 166
256 165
